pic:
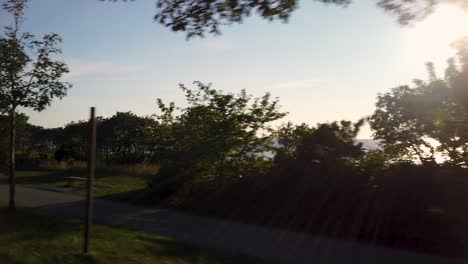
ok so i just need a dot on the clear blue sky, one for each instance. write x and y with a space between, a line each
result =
327 63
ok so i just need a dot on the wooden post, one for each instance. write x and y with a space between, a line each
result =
12 176
89 183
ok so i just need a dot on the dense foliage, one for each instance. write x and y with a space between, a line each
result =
427 121
30 74
197 17
120 140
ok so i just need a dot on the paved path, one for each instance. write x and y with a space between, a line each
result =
272 245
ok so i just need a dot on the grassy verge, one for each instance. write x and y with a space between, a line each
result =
30 237
115 186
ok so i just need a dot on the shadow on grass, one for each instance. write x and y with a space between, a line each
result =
25 226
50 177
174 250
39 238
107 185
44 177
137 197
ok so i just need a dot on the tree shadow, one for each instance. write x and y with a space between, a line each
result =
164 247
53 177
27 226
137 197
37 229
45 177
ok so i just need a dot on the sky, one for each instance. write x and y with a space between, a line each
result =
327 63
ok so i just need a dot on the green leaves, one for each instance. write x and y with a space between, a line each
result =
408 10
216 138
198 17
30 76
426 120
15 8
122 137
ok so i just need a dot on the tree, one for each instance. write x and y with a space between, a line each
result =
427 119
70 141
121 137
29 75
219 138
23 135
314 163
30 142
197 17
288 137
398 123
411 10
327 144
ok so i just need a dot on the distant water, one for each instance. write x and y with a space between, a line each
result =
369 144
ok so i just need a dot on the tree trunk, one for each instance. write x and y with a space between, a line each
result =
12 158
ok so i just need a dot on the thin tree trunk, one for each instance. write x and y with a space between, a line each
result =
12 158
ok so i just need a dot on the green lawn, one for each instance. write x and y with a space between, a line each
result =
115 186
31 237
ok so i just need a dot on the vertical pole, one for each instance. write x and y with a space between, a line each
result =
11 179
89 183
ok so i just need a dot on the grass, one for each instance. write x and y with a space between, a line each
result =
30 237
116 186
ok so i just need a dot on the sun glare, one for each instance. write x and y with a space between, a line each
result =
431 38
447 24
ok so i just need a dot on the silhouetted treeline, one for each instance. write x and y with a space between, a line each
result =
120 140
